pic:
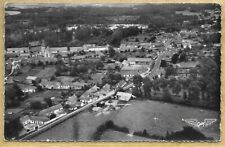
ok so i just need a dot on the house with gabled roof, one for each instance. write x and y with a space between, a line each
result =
56 109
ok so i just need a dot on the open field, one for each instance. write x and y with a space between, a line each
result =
114 135
137 117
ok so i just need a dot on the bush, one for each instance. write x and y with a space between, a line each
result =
121 129
106 126
188 133
109 124
52 115
166 95
12 128
48 101
144 133
36 105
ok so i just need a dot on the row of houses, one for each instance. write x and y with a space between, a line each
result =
38 48
135 66
62 85
32 122
183 69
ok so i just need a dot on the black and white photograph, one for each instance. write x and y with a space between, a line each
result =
112 72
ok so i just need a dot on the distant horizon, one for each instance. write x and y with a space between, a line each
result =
38 5
119 5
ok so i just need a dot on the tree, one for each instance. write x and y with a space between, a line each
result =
111 52
174 58
163 63
74 71
183 57
36 105
166 95
13 95
111 77
170 71
52 115
188 133
147 87
185 83
82 68
117 68
193 90
18 91
136 92
53 78
137 80
12 128
39 88
172 82
185 95
83 33
48 101
163 83
210 73
99 65
103 58
40 63
117 37
110 70
177 88
193 73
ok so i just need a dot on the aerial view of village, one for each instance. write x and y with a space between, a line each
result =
112 72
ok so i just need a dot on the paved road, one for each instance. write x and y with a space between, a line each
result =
156 67
152 73
67 116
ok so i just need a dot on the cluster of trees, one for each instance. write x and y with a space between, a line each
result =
112 52
188 133
37 105
210 81
62 37
108 125
197 89
82 67
87 34
170 70
179 57
121 33
61 67
111 77
47 102
56 19
13 95
12 128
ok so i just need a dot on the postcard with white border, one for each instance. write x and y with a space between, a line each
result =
112 72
